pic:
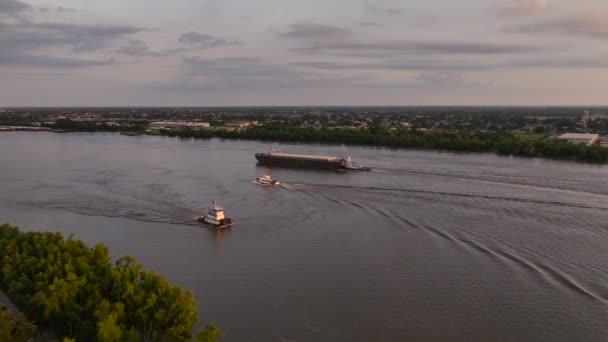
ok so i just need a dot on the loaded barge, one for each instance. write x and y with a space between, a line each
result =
276 158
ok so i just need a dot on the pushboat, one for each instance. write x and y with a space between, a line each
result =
354 166
215 217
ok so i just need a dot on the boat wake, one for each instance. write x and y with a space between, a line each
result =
414 208
444 193
154 205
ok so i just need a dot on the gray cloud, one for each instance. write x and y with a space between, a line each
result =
370 24
576 62
445 66
29 35
589 25
12 6
205 41
135 47
45 61
241 73
61 9
523 8
399 65
315 31
21 42
417 47
440 77
377 10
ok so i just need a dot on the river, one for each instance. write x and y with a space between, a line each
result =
429 246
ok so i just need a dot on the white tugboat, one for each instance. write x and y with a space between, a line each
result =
215 217
266 180
354 166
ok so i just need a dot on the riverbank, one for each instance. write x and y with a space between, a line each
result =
30 129
500 142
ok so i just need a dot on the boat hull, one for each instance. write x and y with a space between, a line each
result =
357 168
274 183
221 224
278 161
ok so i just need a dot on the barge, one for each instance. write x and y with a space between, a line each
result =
276 158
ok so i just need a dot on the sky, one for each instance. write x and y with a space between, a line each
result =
287 52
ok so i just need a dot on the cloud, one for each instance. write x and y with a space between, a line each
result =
315 31
417 47
61 9
135 47
12 6
583 24
376 10
240 73
27 43
205 41
440 77
370 24
29 35
44 61
523 8
446 67
399 65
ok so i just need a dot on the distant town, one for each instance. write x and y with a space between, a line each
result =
577 125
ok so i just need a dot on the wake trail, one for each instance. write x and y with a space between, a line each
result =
454 194
548 273
509 180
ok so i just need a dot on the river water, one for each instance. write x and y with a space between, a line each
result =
428 246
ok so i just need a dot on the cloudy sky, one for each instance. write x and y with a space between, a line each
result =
314 52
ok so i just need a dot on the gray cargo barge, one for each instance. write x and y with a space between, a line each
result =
276 158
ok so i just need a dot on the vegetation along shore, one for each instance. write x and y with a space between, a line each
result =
72 292
462 141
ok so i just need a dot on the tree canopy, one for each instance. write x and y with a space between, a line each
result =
76 292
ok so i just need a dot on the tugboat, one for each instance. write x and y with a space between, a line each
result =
215 217
266 180
354 166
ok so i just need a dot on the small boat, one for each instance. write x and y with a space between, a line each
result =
215 217
354 166
266 180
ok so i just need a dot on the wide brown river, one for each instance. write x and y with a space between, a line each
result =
429 246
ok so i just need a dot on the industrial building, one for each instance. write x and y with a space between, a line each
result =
581 138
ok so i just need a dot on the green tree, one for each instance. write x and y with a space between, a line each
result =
211 333
15 330
76 292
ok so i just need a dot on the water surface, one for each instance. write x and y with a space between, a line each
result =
429 246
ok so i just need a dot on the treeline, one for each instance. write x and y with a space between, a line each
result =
92 126
76 293
478 141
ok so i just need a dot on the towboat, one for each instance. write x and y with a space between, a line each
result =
215 217
354 166
266 180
